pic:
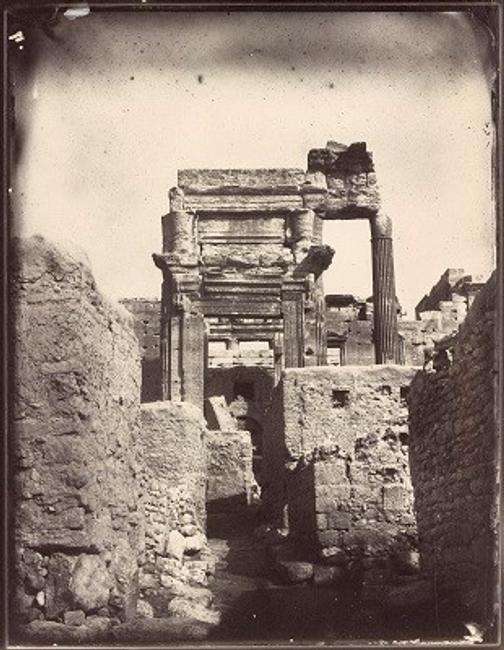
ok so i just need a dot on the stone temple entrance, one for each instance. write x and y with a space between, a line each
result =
242 263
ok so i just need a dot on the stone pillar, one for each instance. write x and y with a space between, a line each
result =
293 326
178 235
384 298
182 341
302 233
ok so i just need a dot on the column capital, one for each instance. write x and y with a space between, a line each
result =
381 226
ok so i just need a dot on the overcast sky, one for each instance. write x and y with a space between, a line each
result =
119 101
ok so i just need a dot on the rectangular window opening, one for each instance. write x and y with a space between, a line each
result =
340 398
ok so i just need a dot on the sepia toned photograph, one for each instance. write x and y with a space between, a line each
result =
253 370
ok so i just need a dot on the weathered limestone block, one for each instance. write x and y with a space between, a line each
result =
76 408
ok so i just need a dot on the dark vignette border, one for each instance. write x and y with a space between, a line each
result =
31 15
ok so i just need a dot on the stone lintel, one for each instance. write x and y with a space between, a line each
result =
242 202
194 180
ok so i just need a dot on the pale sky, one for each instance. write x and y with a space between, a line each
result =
110 110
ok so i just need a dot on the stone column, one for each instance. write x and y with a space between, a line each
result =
178 235
182 341
302 233
384 298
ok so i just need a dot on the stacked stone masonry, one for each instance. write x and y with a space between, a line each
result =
178 562
337 456
452 452
76 521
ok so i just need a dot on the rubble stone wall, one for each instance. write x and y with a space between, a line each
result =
173 476
453 462
346 441
77 526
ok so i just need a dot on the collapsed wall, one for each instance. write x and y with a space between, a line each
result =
337 456
178 562
453 463
76 525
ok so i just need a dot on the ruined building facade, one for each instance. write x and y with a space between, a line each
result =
343 427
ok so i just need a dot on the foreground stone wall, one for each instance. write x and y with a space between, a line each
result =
342 463
453 463
76 525
173 475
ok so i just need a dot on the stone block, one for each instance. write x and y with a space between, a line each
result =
59 596
294 571
74 617
333 555
393 497
339 520
194 543
91 582
175 545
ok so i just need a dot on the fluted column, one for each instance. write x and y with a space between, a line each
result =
384 295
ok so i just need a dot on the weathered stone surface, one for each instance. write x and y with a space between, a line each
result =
292 571
76 410
180 607
345 432
124 572
175 545
229 469
91 583
146 313
173 476
144 609
59 596
74 617
34 570
453 460
194 543
333 556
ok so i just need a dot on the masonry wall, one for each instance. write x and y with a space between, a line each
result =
147 318
173 477
230 480
346 439
76 523
453 463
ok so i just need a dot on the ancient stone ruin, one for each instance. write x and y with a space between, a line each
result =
199 467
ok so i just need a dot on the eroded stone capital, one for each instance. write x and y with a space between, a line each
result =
176 196
381 225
